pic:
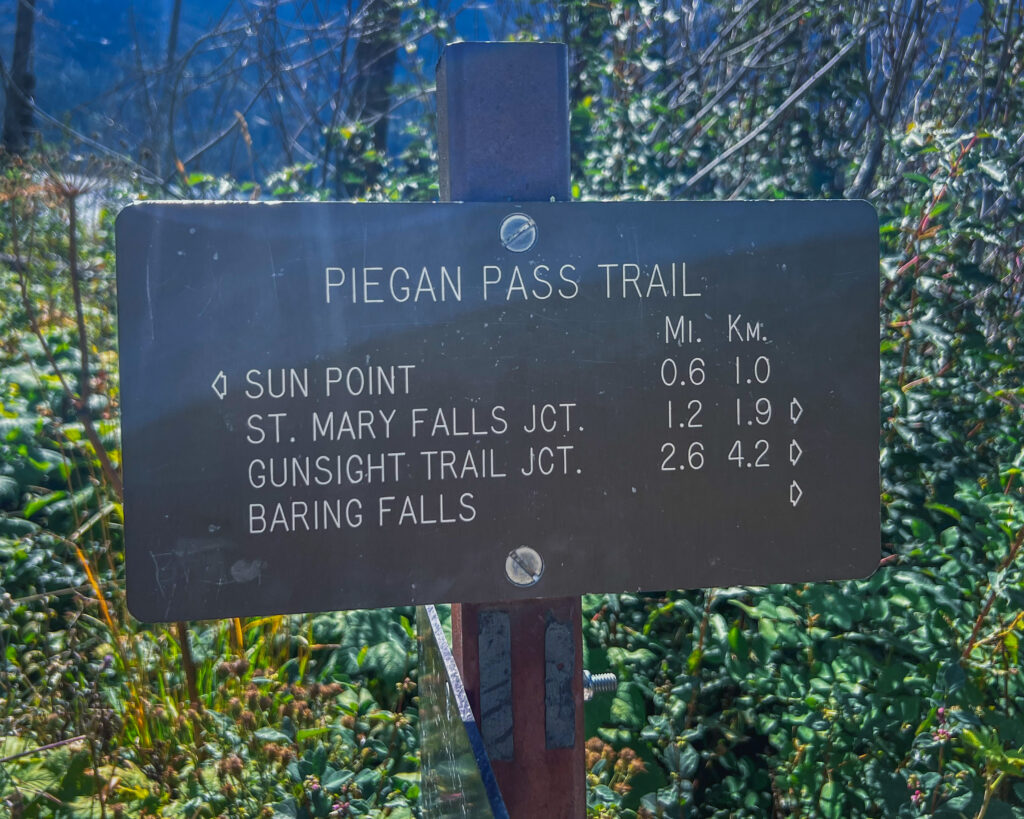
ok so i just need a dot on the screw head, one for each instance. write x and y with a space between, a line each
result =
518 232
524 566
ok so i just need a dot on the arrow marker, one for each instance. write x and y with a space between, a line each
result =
794 452
795 410
220 385
795 493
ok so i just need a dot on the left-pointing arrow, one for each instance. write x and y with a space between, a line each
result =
220 385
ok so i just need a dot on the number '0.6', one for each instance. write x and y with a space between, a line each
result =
671 375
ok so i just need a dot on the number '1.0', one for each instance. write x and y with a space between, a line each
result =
762 370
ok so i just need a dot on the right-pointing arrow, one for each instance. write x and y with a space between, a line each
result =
794 452
795 493
795 410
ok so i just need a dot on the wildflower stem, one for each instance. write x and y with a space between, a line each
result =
84 391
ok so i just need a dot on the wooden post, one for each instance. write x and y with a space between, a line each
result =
503 135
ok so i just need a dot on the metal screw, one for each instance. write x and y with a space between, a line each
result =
524 566
518 232
606 683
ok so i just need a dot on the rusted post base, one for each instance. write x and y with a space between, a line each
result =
522 665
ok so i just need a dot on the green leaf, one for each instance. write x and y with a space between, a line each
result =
686 764
767 630
628 707
10 491
272 735
367 780
919 178
1012 646
947 510
76 783
288 809
830 802
333 781
738 641
388 660
41 503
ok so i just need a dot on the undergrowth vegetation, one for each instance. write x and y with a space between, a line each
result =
897 696
100 714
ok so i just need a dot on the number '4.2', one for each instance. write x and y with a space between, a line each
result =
760 454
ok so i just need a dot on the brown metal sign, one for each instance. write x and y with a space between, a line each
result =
335 406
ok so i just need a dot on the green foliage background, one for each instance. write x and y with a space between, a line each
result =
895 696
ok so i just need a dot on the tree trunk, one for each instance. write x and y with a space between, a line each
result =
172 38
866 174
370 99
584 25
19 122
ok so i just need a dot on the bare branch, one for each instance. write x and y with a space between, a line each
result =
770 119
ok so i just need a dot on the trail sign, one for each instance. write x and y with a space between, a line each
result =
332 406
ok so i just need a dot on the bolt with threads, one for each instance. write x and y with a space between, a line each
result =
606 683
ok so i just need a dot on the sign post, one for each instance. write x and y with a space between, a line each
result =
503 135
